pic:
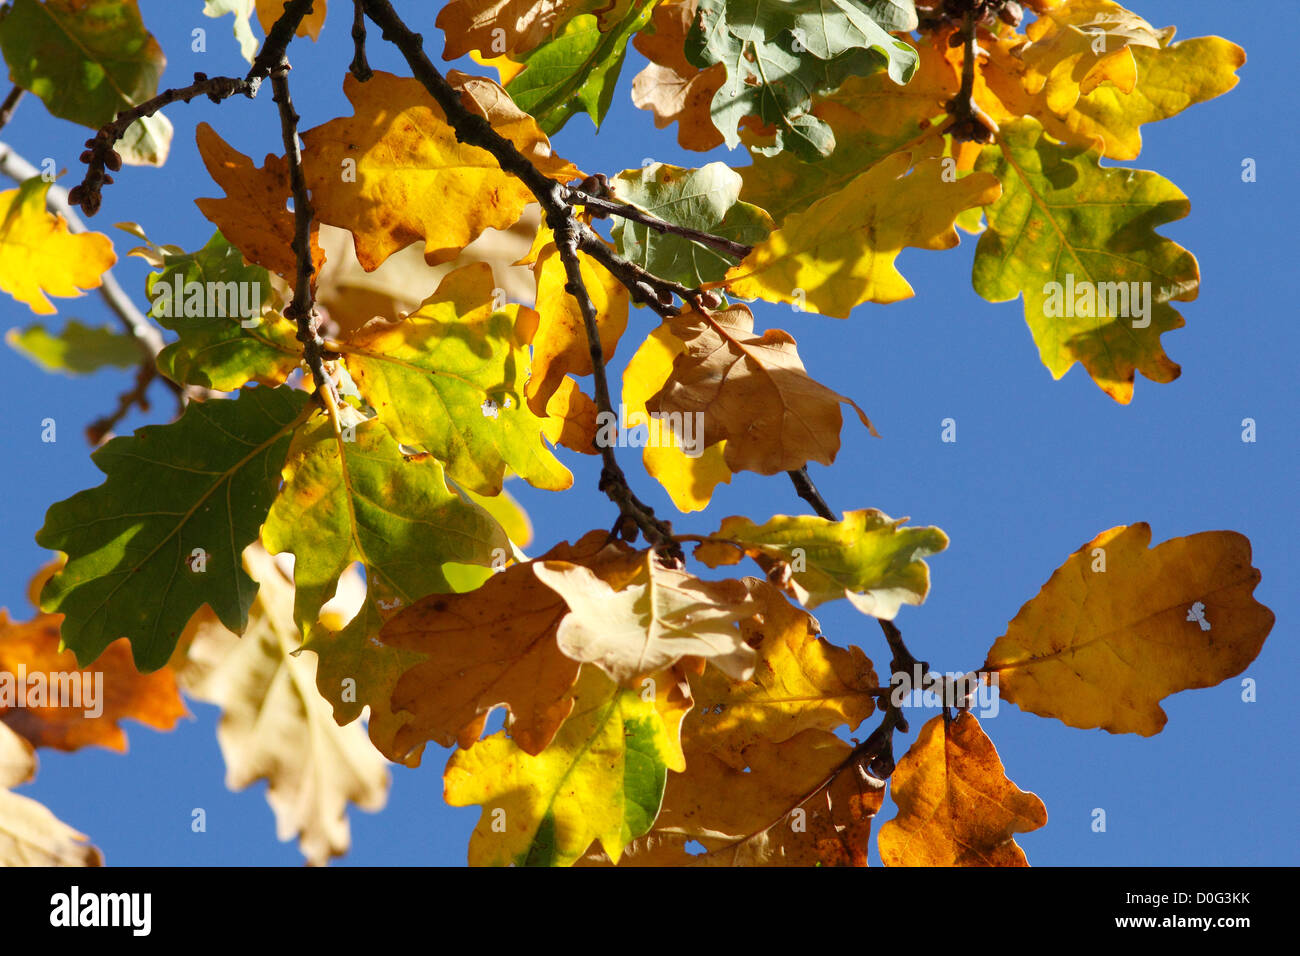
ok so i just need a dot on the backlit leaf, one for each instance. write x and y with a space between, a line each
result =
132 562
1101 648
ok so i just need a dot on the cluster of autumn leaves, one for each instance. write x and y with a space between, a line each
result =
648 709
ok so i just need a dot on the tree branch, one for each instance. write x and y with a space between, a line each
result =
607 207
9 105
359 67
570 234
100 154
302 309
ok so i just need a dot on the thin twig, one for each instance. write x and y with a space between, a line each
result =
804 487
100 154
608 207
472 128
359 66
137 395
302 309
9 105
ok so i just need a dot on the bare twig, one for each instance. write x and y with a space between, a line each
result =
9 105
554 198
359 66
607 207
302 309
100 154
137 395
804 487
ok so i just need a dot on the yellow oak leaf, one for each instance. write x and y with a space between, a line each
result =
449 378
751 391
1119 626
867 557
395 173
767 782
840 251
252 215
601 779
956 806
39 257
30 835
571 418
494 647
560 344
1095 71
688 475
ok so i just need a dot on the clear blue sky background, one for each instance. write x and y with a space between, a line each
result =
1039 468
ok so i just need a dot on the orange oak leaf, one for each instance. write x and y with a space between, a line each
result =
495 646
252 215
47 699
956 806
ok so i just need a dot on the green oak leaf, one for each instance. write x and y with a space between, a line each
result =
164 534
601 778
705 199
75 349
88 60
867 557
449 379
1063 219
779 55
201 296
354 496
577 69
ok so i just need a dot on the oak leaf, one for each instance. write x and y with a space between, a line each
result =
956 806
30 835
252 215
413 178
522 24
449 378
1101 648
650 622
1078 241
600 779
101 696
689 475
491 647
767 782
275 725
672 87
866 556
142 569
39 256
752 391
840 251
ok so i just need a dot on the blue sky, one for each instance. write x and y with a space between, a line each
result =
1039 468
